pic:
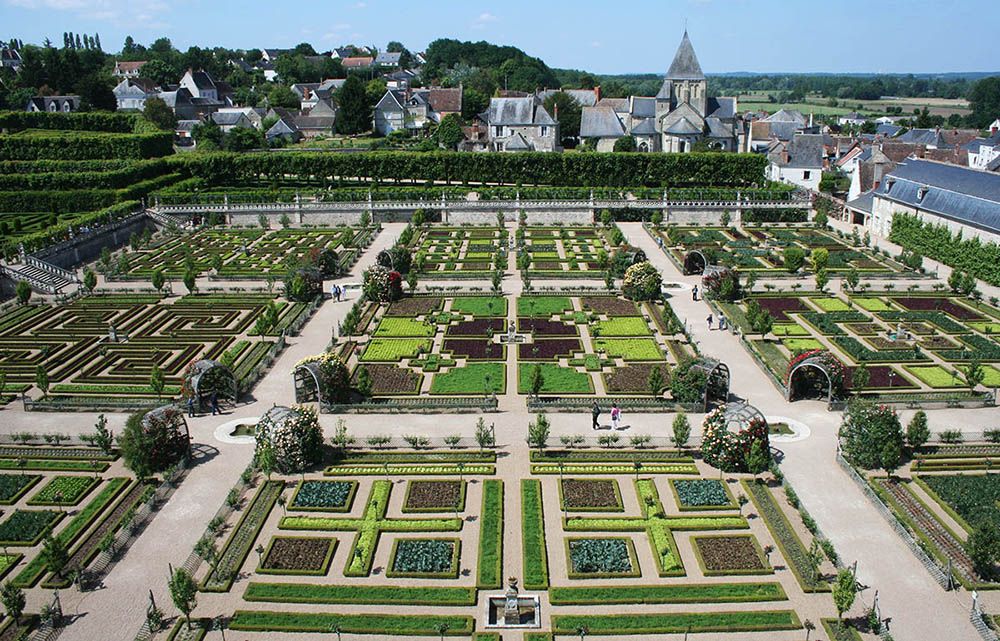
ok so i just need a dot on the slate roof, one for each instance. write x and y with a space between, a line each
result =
600 122
805 151
186 125
517 143
42 102
862 203
583 97
685 65
388 59
718 129
645 127
788 115
888 130
724 108
228 118
517 111
643 107
958 193
619 105
202 80
683 127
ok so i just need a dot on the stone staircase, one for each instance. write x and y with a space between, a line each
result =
165 219
43 277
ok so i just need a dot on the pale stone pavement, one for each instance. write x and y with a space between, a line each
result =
840 509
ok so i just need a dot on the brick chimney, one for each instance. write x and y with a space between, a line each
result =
597 93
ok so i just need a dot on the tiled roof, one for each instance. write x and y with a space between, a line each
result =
126 66
445 100
965 195
356 62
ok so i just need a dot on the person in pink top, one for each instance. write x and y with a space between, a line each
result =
616 416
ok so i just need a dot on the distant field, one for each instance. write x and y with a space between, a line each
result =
756 100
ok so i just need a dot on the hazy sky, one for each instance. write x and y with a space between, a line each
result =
604 37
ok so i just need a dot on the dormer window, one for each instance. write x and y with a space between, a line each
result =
888 184
921 193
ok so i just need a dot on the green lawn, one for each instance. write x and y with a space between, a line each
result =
626 326
393 349
991 375
631 349
986 327
789 329
801 344
556 380
934 375
543 306
480 305
398 327
474 378
831 304
871 304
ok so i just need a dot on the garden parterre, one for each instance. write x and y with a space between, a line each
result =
71 342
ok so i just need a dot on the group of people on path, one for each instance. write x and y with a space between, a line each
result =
723 323
616 416
336 292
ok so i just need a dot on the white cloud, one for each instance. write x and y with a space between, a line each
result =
596 44
359 5
147 13
483 19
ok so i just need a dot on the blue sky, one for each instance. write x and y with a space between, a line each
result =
604 37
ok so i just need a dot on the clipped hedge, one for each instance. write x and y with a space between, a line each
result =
937 242
536 570
660 594
598 170
679 622
33 242
84 145
373 623
490 565
359 594
118 123
75 177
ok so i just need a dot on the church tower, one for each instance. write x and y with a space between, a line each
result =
685 82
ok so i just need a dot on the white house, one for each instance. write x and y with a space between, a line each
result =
984 151
853 119
128 68
799 161
520 124
132 93
230 120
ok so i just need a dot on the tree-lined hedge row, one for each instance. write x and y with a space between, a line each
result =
598 170
81 179
72 200
971 255
84 145
60 231
59 166
118 123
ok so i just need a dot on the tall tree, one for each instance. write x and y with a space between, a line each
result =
985 101
160 114
566 110
355 115
449 132
183 592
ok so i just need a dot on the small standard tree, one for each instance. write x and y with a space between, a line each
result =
157 280
42 380
54 555
974 374
892 456
190 279
537 381
852 279
23 292
860 377
89 280
983 547
364 383
757 459
183 592
14 601
917 432
538 432
156 381
484 435
681 431
655 381
845 589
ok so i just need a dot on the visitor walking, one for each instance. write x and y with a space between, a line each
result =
722 322
709 319
616 417
215 403
694 293
191 406
595 412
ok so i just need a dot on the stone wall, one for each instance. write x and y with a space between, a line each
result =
85 249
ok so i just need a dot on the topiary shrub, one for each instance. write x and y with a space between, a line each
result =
687 385
151 443
295 437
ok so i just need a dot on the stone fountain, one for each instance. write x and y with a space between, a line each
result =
513 610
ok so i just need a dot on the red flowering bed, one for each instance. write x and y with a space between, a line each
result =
477 327
545 327
878 377
778 307
935 303
474 349
548 349
610 305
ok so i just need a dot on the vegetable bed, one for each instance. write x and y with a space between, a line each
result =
591 495
298 555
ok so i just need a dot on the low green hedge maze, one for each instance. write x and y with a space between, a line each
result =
69 341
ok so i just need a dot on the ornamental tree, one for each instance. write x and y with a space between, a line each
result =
538 432
183 592
642 282
681 428
845 589
917 431
866 430
150 444
983 547
794 258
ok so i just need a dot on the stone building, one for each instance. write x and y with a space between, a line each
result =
520 124
678 118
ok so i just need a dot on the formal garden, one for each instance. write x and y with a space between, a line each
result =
774 251
567 251
124 350
929 344
235 253
443 251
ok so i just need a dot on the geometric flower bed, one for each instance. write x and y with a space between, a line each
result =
434 496
701 494
326 496
64 490
425 558
591 495
27 527
565 252
720 555
604 558
298 555
13 486
438 251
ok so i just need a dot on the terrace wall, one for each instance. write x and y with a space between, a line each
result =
84 249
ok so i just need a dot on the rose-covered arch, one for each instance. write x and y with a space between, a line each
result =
716 381
695 262
815 373
728 434
175 439
205 377
307 382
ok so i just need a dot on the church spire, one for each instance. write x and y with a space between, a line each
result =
685 65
